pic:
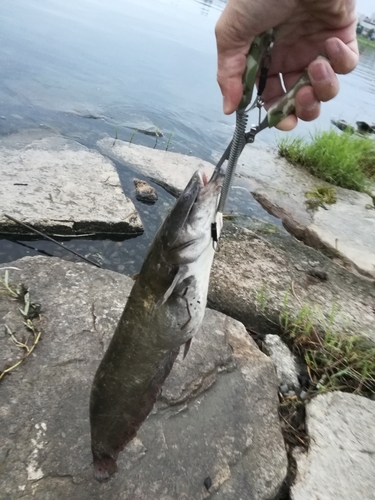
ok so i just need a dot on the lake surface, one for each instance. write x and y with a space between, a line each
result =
132 64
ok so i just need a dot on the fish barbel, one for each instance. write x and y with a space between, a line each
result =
165 309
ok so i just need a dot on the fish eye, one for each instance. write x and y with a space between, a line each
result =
186 196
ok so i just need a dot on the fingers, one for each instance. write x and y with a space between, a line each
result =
229 77
307 104
343 57
307 109
323 79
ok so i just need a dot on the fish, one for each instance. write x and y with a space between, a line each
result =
165 309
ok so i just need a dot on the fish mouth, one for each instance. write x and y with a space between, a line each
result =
209 185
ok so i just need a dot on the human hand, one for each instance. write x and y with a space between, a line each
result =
304 30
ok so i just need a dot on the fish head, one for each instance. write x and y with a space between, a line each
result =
186 232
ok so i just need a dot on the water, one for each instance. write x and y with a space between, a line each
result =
132 64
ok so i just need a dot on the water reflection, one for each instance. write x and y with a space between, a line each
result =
129 62
366 67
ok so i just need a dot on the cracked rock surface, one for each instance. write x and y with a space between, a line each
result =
347 227
59 186
217 416
340 463
262 272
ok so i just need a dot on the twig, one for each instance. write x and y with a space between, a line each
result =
53 241
29 350
294 430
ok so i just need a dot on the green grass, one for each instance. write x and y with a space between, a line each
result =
365 42
320 196
343 159
334 361
169 140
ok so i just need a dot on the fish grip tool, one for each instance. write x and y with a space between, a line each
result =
258 60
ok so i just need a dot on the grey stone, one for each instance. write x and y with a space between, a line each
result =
59 186
170 170
217 415
346 228
303 394
254 280
340 463
285 362
145 192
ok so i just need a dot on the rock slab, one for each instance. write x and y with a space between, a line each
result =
59 186
346 227
170 170
217 416
261 273
340 463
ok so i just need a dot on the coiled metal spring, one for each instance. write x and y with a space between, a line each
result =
236 149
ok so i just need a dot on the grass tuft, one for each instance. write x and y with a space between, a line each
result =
344 160
334 361
320 196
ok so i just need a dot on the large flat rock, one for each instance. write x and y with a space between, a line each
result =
59 186
217 416
340 463
261 272
346 227
170 170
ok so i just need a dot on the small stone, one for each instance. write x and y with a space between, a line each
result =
284 388
290 393
318 273
3 117
303 394
298 267
145 192
313 263
207 483
285 362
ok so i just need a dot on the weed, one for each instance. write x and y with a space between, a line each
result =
320 196
342 159
116 130
261 296
169 140
132 136
334 361
29 312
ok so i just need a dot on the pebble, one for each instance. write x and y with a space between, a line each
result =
284 388
303 394
298 267
313 263
145 192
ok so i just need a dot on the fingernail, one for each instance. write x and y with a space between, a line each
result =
319 72
307 101
227 106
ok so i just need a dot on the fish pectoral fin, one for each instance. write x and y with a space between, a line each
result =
187 347
176 280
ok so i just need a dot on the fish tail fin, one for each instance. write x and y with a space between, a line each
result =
104 467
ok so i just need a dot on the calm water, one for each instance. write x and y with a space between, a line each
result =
131 64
